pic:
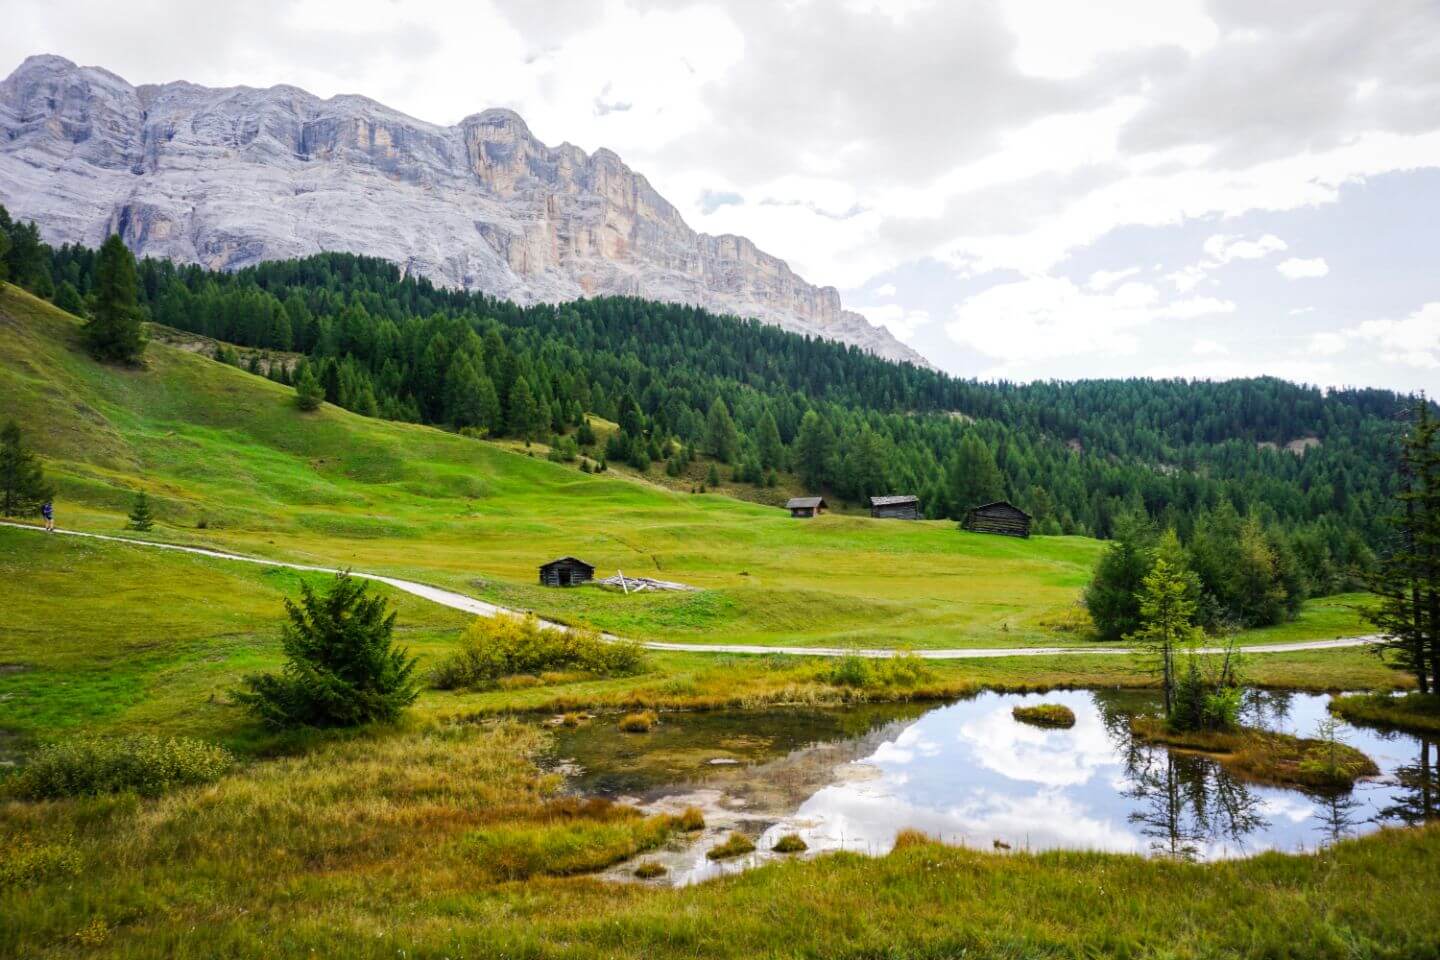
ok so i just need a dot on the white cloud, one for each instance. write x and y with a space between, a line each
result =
1222 249
885 290
1044 317
898 320
1301 311
1412 342
1102 280
1299 269
1206 347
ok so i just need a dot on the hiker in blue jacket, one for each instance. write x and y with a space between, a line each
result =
48 512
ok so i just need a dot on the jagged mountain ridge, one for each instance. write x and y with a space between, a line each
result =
229 177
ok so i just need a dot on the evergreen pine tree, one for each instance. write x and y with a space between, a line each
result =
1166 622
23 488
973 477
308 392
67 298
341 665
113 330
712 477
524 412
140 516
814 450
767 442
1113 596
1407 579
722 441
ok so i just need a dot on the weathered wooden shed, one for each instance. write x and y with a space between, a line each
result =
566 572
1000 517
806 507
895 508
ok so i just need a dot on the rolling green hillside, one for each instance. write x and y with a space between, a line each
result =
228 460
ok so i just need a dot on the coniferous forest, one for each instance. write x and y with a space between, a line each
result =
1083 457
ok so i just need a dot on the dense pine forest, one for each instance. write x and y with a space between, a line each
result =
682 384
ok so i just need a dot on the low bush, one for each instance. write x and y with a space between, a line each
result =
853 670
1045 715
734 845
790 843
649 870
148 765
26 862
492 648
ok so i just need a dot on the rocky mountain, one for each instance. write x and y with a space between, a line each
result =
226 178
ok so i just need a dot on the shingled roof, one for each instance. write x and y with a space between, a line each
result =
802 503
892 501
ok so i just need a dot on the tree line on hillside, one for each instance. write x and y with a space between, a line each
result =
683 384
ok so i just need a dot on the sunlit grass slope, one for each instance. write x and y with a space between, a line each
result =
215 446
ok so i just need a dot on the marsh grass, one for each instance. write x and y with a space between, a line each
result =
1045 715
735 845
1264 756
649 870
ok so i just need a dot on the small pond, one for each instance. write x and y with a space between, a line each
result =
968 773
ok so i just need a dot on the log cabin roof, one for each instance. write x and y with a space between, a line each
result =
1006 504
582 563
893 501
802 503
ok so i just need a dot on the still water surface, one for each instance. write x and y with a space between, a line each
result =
970 774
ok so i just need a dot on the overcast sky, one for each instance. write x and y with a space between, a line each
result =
1033 188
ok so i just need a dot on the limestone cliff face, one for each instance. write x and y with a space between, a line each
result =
227 178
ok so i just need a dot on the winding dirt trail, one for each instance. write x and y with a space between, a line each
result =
459 601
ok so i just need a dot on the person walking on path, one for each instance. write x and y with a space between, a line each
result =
48 512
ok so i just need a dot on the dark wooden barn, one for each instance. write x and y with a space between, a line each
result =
999 517
806 506
895 508
566 572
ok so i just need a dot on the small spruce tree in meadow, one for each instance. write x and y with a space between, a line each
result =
712 477
114 329
23 487
342 667
141 517
308 392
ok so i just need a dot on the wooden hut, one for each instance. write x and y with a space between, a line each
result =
566 572
895 508
806 507
1000 517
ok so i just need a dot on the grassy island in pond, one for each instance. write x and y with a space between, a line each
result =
1264 756
1411 711
1045 715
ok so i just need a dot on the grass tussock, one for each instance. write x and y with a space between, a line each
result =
1411 711
910 837
790 843
147 765
642 722
1045 715
520 652
690 820
735 845
649 870
1263 756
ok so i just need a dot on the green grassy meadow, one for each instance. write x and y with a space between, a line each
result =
218 447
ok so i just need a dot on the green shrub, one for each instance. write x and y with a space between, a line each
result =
854 670
148 765
506 646
341 666
735 845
